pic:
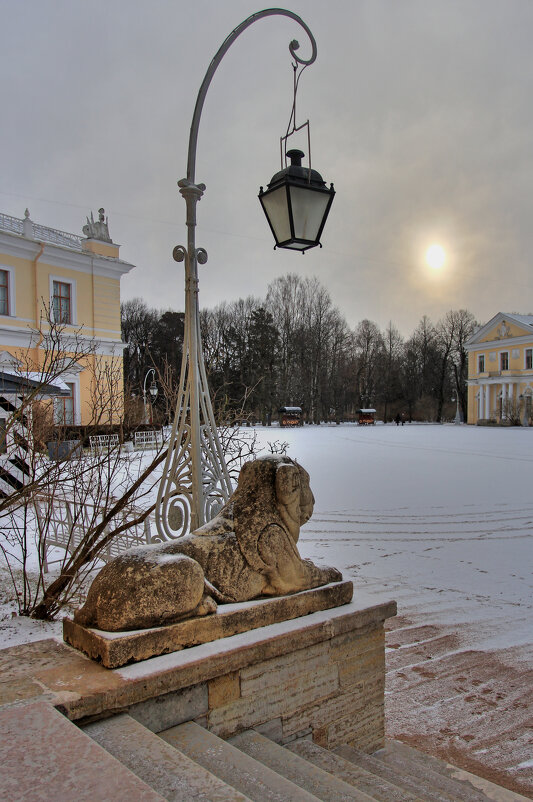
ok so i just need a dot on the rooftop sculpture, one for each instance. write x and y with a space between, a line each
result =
97 229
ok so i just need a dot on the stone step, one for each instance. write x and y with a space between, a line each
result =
173 775
428 788
236 768
492 791
414 764
44 756
326 786
373 785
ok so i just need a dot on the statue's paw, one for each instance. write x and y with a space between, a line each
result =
332 574
206 607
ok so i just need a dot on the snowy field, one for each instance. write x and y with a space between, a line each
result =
439 518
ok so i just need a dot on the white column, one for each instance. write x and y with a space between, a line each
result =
487 401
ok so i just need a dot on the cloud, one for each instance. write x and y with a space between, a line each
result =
420 114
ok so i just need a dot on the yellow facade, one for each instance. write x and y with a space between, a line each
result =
45 273
500 371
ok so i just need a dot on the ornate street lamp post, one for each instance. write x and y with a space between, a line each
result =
195 481
153 394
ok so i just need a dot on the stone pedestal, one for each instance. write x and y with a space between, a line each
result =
115 649
320 676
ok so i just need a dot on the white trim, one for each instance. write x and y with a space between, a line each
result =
73 305
59 256
74 379
508 343
22 337
474 342
481 381
16 336
500 354
11 294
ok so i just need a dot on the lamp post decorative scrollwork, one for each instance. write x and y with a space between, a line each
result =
195 481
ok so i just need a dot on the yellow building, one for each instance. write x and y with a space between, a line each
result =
500 370
75 281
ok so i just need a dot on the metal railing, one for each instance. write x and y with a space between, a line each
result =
63 523
8 223
41 233
57 237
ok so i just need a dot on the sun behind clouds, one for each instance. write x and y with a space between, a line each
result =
435 256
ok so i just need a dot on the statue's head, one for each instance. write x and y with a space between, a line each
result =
273 489
294 497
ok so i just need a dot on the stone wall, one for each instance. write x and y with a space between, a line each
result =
321 679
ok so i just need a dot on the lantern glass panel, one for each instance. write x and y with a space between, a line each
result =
308 209
275 204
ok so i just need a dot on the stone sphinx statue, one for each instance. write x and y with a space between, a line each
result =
247 551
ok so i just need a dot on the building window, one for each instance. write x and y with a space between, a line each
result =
529 358
504 360
62 302
481 363
4 292
64 408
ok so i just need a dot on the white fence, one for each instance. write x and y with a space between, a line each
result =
64 523
148 439
100 443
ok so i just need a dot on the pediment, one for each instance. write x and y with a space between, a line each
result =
502 327
7 360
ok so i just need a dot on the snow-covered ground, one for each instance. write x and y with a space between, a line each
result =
439 518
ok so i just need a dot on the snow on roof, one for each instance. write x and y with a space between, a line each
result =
525 320
38 380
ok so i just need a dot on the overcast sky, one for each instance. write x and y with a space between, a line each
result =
421 114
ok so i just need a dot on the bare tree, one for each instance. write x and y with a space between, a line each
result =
100 487
389 379
368 346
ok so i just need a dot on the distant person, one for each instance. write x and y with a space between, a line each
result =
398 418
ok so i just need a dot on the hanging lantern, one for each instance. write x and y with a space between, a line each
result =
296 204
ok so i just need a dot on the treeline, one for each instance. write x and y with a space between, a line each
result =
294 348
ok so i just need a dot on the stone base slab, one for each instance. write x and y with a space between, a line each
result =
115 649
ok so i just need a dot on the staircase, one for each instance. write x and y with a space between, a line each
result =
188 763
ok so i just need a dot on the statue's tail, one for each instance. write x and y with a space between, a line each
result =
84 616
217 595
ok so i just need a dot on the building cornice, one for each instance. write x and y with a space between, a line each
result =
500 345
526 378
61 256
27 338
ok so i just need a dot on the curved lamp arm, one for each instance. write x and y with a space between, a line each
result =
293 47
196 480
